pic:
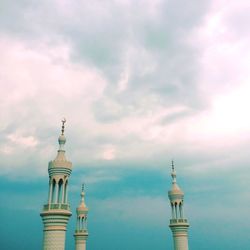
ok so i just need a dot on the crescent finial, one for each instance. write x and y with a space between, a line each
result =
63 122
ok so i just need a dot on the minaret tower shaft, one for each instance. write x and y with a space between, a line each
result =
81 232
56 212
178 224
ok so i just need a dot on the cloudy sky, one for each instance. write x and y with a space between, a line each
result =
140 82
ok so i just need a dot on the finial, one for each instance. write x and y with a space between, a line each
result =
173 174
173 165
63 122
82 195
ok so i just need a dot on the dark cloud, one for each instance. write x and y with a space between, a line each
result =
152 40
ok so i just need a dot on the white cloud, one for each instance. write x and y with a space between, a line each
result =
132 87
8 150
27 141
108 152
39 85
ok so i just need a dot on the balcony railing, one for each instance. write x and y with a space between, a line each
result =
172 221
81 231
54 206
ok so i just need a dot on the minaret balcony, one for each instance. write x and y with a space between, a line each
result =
81 231
56 206
174 221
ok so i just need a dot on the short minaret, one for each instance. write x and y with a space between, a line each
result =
56 212
178 224
81 232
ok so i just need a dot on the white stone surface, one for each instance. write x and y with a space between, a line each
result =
56 212
181 241
54 240
81 232
178 223
80 245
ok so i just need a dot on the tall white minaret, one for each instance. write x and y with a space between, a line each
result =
81 232
56 212
178 224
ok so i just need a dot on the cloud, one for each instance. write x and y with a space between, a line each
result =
28 141
40 81
108 152
123 36
136 81
140 83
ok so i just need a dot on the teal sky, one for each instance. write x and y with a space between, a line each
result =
140 83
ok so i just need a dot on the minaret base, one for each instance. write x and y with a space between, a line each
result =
55 223
180 236
54 240
80 240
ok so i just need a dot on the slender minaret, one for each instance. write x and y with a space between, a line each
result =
178 224
56 212
81 232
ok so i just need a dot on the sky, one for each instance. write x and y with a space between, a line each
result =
140 82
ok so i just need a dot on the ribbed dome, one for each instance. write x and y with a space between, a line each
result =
176 189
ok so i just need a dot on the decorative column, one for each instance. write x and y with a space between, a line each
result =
56 212
81 232
178 224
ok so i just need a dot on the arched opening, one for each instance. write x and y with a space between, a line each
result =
53 191
172 209
180 209
175 208
78 223
50 191
83 223
65 192
60 186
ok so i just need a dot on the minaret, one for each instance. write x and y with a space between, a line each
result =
81 232
56 212
178 224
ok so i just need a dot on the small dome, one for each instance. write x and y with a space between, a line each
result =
82 207
175 193
176 189
60 161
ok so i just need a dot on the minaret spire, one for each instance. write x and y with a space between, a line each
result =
82 204
62 138
56 212
81 232
173 174
178 224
